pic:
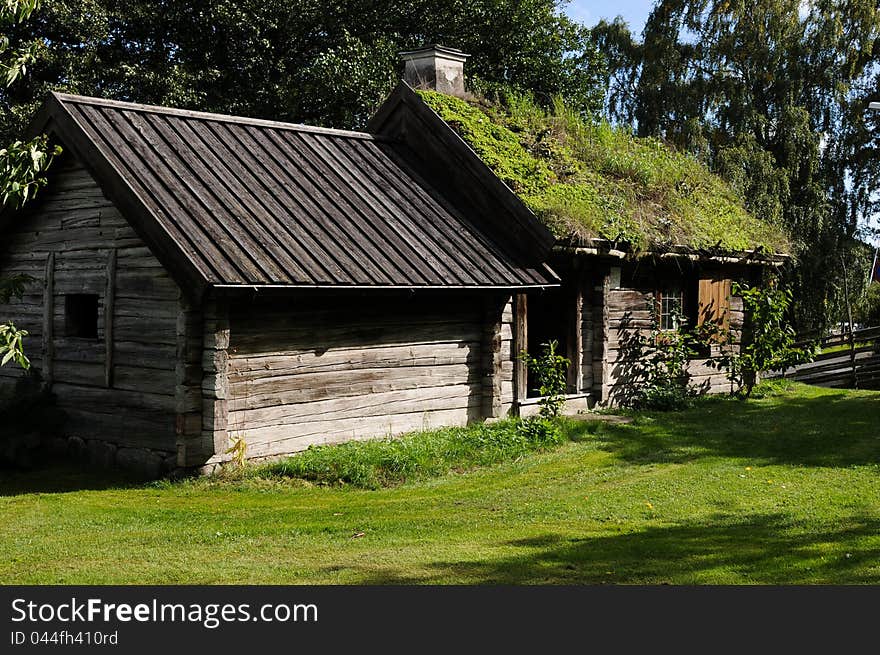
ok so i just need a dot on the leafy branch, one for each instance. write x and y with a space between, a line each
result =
550 370
771 346
23 166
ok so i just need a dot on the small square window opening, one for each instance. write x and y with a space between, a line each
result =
81 315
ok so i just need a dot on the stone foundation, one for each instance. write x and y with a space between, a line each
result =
97 453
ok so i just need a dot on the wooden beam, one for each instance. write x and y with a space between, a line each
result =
49 320
109 311
520 343
575 350
188 385
215 385
491 357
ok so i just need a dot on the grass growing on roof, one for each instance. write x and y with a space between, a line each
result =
588 180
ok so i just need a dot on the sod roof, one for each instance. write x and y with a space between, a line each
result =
589 181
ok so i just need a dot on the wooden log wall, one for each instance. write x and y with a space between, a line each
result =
520 343
626 313
588 335
336 369
193 449
215 386
72 240
492 356
509 357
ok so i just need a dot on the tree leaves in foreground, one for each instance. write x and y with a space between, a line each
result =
773 95
22 164
327 63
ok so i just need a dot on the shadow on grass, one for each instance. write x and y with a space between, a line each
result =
833 429
760 549
61 477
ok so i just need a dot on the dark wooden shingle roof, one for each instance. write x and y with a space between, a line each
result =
250 202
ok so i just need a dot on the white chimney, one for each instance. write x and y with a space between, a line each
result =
435 67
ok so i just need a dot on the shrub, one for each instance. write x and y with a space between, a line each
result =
540 432
663 358
771 346
550 370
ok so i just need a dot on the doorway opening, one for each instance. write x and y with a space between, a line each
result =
548 316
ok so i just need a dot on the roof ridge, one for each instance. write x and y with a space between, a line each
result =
203 115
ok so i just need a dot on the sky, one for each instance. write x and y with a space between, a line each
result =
590 12
634 12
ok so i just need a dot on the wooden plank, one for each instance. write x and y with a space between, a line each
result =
436 209
382 405
167 240
214 384
270 441
449 240
402 250
274 188
298 340
242 223
520 345
491 358
138 428
575 344
293 245
49 321
188 376
109 308
316 386
266 365
361 240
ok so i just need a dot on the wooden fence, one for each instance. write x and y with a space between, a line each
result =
845 367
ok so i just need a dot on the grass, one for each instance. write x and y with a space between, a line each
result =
844 347
387 462
782 489
590 179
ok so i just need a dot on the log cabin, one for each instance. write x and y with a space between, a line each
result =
199 278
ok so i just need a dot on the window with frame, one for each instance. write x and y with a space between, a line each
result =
670 308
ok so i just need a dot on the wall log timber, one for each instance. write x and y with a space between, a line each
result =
109 308
49 321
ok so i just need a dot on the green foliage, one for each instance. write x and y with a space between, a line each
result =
377 463
23 168
770 346
663 357
11 338
541 432
867 310
496 144
550 370
14 61
773 96
588 179
13 286
320 63
11 346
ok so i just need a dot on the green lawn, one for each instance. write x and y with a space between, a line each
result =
782 489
